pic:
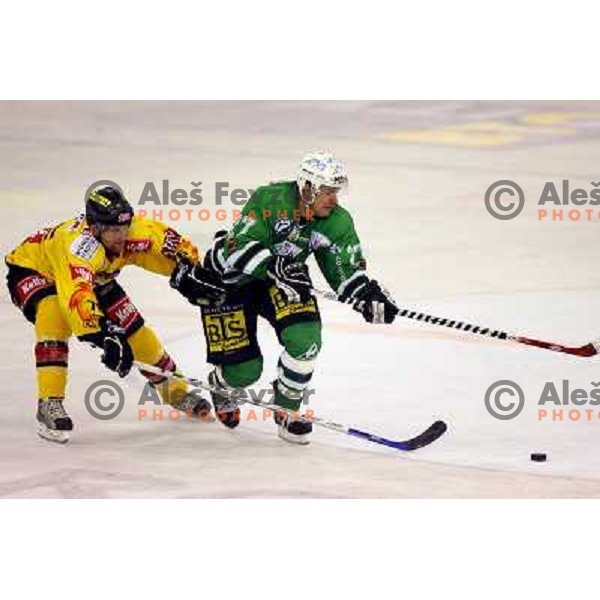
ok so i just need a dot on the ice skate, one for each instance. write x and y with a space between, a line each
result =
291 428
53 421
194 403
226 407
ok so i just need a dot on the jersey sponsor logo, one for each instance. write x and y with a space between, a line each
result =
85 246
299 236
283 227
287 249
318 240
226 331
80 272
31 285
283 308
138 245
170 243
123 313
84 302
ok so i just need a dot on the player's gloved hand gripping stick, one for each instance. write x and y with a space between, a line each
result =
196 283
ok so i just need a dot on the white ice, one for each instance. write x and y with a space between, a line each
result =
419 211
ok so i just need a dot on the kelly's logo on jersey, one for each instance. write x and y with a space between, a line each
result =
123 313
30 285
138 245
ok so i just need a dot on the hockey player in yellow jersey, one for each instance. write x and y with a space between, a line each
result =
63 279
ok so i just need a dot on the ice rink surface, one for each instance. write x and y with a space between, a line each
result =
418 175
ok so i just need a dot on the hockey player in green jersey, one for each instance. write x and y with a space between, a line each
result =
262 261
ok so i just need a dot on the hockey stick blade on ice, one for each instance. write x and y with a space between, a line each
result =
430 435
586 351
425 438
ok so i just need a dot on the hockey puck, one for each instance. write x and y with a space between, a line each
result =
538 456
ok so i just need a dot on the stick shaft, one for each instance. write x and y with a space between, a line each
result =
423 439
583 351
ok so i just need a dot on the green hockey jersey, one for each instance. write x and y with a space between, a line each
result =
271 225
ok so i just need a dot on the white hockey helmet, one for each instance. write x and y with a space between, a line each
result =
321 169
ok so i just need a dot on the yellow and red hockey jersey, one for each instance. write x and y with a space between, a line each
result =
76 261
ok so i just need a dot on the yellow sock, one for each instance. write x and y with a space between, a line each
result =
51 351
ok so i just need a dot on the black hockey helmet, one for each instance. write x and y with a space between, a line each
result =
106 205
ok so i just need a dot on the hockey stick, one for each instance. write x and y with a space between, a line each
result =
425 438
585 351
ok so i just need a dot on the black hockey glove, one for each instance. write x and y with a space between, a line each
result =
291 278
117 355
372 301
199 285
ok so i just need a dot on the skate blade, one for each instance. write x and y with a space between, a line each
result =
292 438
52 435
